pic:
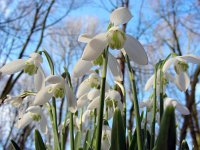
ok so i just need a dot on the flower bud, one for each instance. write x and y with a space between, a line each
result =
116 38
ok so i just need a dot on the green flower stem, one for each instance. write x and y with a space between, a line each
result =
154 112
55 129
161 92
102 97
71 125
136 106
71 128
53 106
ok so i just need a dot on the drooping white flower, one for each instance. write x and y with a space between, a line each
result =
167 101
92 82
165 78
29 65
14 100
58 88
173 102
112 100
82 67
182 79
106 138
33 114
115 38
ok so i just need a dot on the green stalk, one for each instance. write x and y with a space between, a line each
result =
161 92
102 97
136 106
154 112
71 125
71 128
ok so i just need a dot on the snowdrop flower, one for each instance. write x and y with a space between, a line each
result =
58 88
182 79
115 38
29 65
167 101
172 102
165 78
33 113
106 138
83 66
15 101
112 100
87 98
92 82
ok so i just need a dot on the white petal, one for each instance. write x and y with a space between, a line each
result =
191 58
182 81
93 94
43 96
82 101
149 83
85 116
24 121
39 79
94 104
83 88
114 67
53 79
81 68
43 124
13 67
182 109
168 63
85 38
169 102
114 95
34 109
135 50
120 15
71 99
169 77
95 47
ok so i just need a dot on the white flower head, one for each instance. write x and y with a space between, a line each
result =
172 102
106 138
30 65
182 79
83 66
15 101
33 113
116 39
58 88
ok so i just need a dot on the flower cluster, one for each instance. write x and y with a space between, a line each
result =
52 86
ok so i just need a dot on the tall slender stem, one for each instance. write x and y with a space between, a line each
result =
161 92
71 128
154 112
102 97
136 106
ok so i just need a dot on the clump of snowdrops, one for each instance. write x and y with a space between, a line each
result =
96 114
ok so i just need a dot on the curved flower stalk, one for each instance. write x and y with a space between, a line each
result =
33 114
58 88
182 79
82 67
115 38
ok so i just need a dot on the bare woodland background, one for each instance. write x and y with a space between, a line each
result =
161 26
